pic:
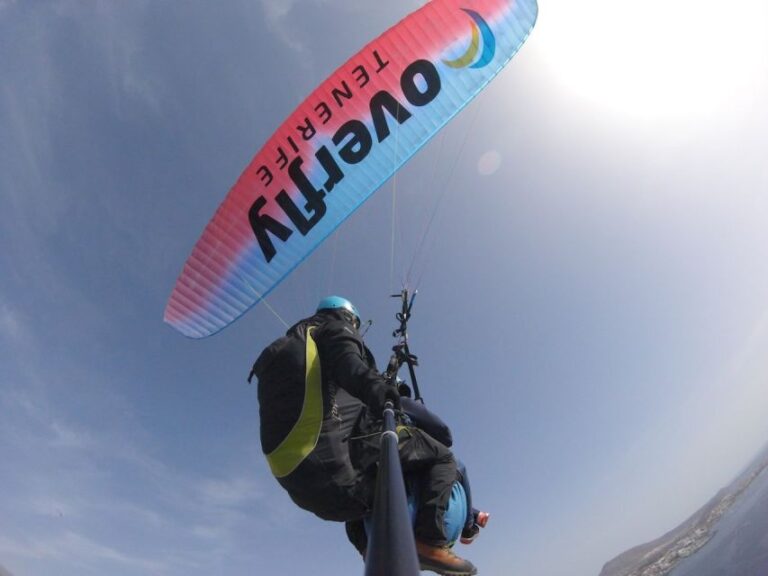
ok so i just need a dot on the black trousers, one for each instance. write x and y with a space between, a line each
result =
330 488
431 471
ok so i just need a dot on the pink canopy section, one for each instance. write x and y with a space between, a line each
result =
340 145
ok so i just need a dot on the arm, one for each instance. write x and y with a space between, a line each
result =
346 360
428 421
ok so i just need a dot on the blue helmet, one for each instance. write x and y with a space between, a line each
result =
337 302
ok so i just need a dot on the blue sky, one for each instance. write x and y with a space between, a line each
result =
592 317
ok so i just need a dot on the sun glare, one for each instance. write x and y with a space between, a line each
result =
489 163
657 59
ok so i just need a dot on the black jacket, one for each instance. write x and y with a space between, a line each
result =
346 364
348 374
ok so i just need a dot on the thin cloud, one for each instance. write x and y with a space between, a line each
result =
751 344
232 492
118 35
69 436
10 325
45 505
67 475
30 142
74 546
277 14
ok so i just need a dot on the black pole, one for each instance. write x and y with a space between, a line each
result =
391 547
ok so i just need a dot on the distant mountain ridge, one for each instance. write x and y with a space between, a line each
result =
663 555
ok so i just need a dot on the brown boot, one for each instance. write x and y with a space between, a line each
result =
442 560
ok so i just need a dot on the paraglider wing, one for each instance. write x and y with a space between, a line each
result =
343 142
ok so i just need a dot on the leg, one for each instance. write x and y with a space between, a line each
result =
475 518
357 536
464 479
434 468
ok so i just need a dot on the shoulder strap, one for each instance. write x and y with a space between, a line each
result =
303 437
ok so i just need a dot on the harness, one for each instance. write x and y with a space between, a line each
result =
303 437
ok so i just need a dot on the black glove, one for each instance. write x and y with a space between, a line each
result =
379 394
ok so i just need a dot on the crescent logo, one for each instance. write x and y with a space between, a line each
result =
470 58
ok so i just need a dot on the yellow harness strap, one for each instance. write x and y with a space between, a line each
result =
302 438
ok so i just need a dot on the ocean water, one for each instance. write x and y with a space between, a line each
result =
740 544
